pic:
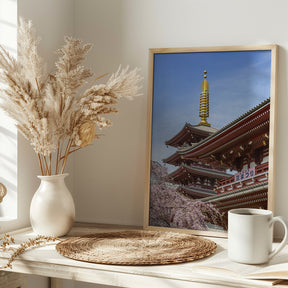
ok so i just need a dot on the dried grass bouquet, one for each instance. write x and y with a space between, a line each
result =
46 107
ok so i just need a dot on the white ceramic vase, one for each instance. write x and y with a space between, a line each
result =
52 210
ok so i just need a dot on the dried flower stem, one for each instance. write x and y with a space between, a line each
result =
50 164
66 155
6 241
70 152
57 157
40 164
24 246
46 166
99 77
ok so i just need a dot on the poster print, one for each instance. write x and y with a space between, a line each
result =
210 135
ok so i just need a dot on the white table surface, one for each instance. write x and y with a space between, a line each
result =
208 272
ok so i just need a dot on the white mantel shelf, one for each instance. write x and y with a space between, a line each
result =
208 272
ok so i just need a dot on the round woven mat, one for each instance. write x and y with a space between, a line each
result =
136 248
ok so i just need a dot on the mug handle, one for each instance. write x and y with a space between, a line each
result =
285 238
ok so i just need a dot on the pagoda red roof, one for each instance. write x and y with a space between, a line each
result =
177 159
190 134
255 196
198 171
251 196
195 192
252 129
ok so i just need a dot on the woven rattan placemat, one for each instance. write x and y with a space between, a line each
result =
136 247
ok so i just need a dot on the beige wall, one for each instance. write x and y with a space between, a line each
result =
110 174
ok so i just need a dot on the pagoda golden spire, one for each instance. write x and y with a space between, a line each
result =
204 101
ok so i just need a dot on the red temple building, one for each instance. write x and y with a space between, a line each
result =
204 154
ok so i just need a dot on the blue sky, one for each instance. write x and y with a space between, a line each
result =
238 81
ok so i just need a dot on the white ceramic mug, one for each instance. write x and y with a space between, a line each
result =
250 235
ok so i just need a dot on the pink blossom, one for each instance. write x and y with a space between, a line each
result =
170 208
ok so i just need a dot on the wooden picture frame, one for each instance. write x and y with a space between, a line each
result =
210 135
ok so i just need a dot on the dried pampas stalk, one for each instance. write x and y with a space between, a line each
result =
48 108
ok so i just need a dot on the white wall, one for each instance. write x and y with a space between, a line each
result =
110 174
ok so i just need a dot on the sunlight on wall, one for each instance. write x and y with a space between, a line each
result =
8 133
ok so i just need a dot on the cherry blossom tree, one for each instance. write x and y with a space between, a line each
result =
170 208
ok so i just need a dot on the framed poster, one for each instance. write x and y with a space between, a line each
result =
210 135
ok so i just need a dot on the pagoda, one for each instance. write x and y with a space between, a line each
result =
241 146
196 179
204 154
